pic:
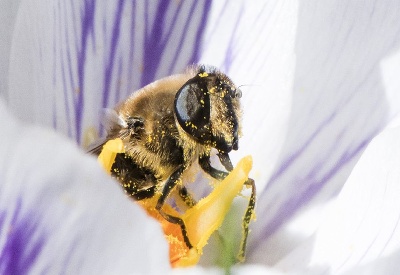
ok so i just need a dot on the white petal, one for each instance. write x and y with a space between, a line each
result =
69 60
364 223
60 213
320 70
241 39
236 270
388 265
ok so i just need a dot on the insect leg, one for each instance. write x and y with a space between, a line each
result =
247 218
226 162
205 164
168 187
186 196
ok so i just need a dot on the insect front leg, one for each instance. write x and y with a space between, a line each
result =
205 164
225 160
220 175
247 218
168 187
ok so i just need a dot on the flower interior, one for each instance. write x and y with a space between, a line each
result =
201 220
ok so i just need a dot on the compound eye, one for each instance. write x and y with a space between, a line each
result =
192 109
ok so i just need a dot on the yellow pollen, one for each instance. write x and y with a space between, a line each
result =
203 74
109 152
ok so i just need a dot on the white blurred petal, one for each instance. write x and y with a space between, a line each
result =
60 213
363 225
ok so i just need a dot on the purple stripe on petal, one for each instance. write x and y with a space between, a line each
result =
183 34
156 39
87 31
131 47
172 25
2 219
65 90
292 158
70 255
219 18
229 52
68 67
200 32
54 115
21 248
118 93
261 19
152 44
290 207
54 105
55 46
57 52
111 56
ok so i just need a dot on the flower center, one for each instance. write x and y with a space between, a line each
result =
201 220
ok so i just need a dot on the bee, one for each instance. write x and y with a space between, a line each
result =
169 125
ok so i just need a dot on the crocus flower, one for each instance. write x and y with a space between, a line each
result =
319 83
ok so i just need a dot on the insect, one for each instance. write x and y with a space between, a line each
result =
170 124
